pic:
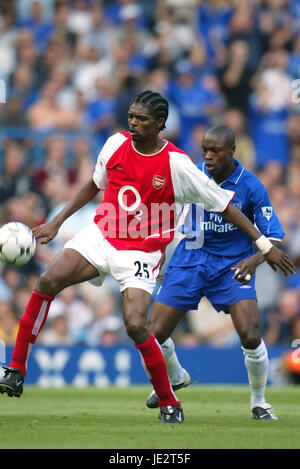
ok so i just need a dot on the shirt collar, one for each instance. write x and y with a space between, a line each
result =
234 177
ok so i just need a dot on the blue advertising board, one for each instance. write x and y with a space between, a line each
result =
121 366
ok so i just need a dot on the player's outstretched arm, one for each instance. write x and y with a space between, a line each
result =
49 230
273 255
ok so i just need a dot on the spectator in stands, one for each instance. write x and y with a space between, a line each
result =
28 209
54 159
79 18
213 328
282 322
213 19
40 27
58 52
21 298
243 26
22 86
5 292
12 115
191 99
58 333
107 327
78 313
274 24
14 181
175 32
236 120
198 59
47 113
82 163
194 149
8 33
112 332
26 51
61 18
100 112
90 66
235 76
268 123
8 323
128 88
67 96
101 34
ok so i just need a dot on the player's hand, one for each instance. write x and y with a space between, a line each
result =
159 278
277 258
46 232
245 269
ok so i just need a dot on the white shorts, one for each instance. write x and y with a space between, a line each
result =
135 269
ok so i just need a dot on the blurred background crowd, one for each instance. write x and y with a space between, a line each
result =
71 68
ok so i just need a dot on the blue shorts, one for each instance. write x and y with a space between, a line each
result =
183 287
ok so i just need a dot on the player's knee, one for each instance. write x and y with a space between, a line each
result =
250 339
156 327
136 329
160 336
48 284
159 326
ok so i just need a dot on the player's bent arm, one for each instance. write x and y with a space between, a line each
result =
85 194
49 230
237 218
273 255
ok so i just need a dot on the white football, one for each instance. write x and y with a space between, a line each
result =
17 243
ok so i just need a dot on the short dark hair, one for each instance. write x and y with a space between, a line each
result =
223 131
155 102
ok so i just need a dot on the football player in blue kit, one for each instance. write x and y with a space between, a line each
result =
217 260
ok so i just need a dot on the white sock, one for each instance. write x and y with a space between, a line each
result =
257 364
175 370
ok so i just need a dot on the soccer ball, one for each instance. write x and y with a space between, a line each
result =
17 243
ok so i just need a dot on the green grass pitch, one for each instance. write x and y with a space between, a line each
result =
216 417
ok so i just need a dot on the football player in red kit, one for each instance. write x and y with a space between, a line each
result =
146 180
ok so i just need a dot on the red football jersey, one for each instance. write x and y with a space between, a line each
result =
145 193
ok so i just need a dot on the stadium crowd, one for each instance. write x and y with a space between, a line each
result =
71 68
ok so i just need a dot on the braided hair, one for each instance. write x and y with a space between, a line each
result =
155 102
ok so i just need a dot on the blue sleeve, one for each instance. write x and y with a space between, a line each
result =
265 217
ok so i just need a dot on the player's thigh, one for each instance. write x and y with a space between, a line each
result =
163 320
245 317
181 288
69 267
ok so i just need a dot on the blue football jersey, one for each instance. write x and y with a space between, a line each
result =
212 232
